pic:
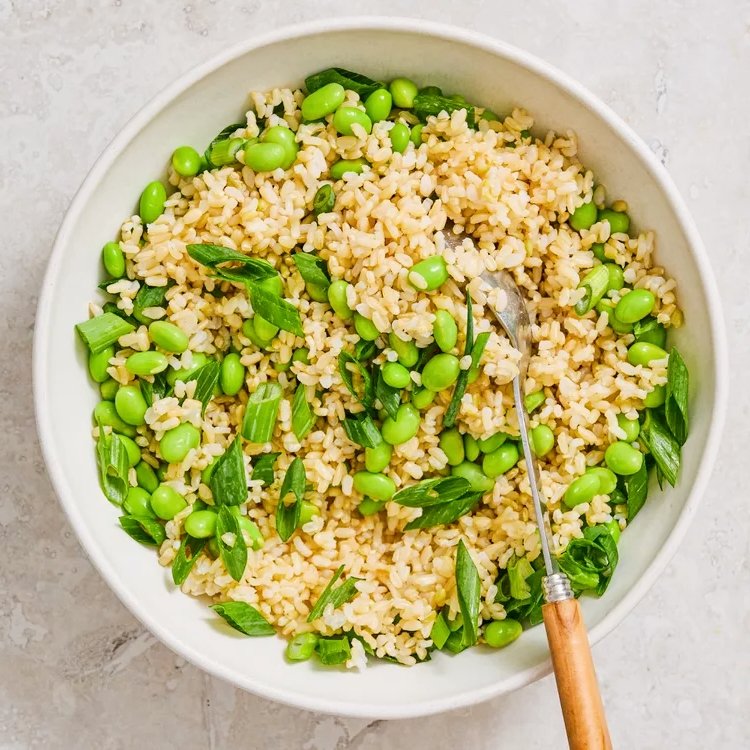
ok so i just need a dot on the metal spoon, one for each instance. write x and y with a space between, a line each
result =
577 686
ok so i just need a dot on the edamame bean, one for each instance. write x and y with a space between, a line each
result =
316 292
643 353
395 375
264 330
151 203
201 524
403 92
302 646
581 490
429 274
231 374
445 330
399 135
404 427
166 502
131 448
616 277
471 447
623 459
365 328
416 135
501 633
273 284
337 299
452 444
346 166
607 306
301 355
146 363
323 101
477 480
285 138
431 90
130 404
250 532
598 250
542 440
113 260
619 221
440 372
346 117
584 217
656 397
613 527
186 161
177 442
265 157
492 443
501 460
99 362
207 472
652 333
108 389
635 305
369 507
376 486
213 548
631 427
184 374
422 398
307 512
146 476
138 503
168 336
106 415
407 352
607 479
489 115
378 105
377 458
532 401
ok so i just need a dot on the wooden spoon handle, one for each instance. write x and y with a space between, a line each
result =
581 703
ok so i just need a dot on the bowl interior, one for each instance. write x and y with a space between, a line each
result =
192 112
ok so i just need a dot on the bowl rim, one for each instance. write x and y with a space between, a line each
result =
445 32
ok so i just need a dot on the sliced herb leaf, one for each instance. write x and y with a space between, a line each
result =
263 468
336 596
440 631
244 617
185 558
367 395
324 201
519 569
206 378
113 309
287 515
364 350
225 133
303 418
312 269
332 650
102 331
362 430
469 589
248 270
275 310
356 82
430 105
663 446
228 482
445 513
234 557
389 397
112 460
159 388
455 642
590 562
676 403
261 413
143 529
430 492
635 488
149 296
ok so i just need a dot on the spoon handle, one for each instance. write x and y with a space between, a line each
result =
577 686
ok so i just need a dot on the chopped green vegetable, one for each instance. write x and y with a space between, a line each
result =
149 296
185 558
366 395
362 430
445 513
225 133
440 631
389 397
261 413
303 418
249 269
590 562
335 596
356 82
676 404
243 617
206 378
275 310
263 468
519 569
143 529
287 515
595 283
429 105
636 490
312 269
102 331
324 201
332 650
662 444
233 556
112 460
430 492
228 482
469 589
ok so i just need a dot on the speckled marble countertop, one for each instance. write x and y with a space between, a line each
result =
76 670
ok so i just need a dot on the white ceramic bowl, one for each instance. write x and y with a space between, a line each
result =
192 111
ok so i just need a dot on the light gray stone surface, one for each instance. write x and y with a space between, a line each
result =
76 670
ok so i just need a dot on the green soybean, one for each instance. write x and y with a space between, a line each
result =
377 486
131 448
377 458
656 397
653 334
265 157
316 292
395 375
323 101
416 135
285 138
273 284
403 92
178 442
501 460
616 277
337 299
440 372
501 633
131 405
184 374
619 221
429 274
635 305
302 646
168 336
542 440
532 401
607 479
108 389
399 135
471 447
113 260
404 427
345 166
307 512
365 328
369 507
99 362
407 351
631 427
346 117
607 306
598 250
186 161
422 398
581 490
231 374
492 443
584 217
489 115
106 415
452 444
264 330
250 532
201 524
138 503
301 355
643 353
151 203
146 363
622 458
478 481
378 105
166 502
146 476
445 330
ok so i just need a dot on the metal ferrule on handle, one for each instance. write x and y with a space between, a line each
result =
556 588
